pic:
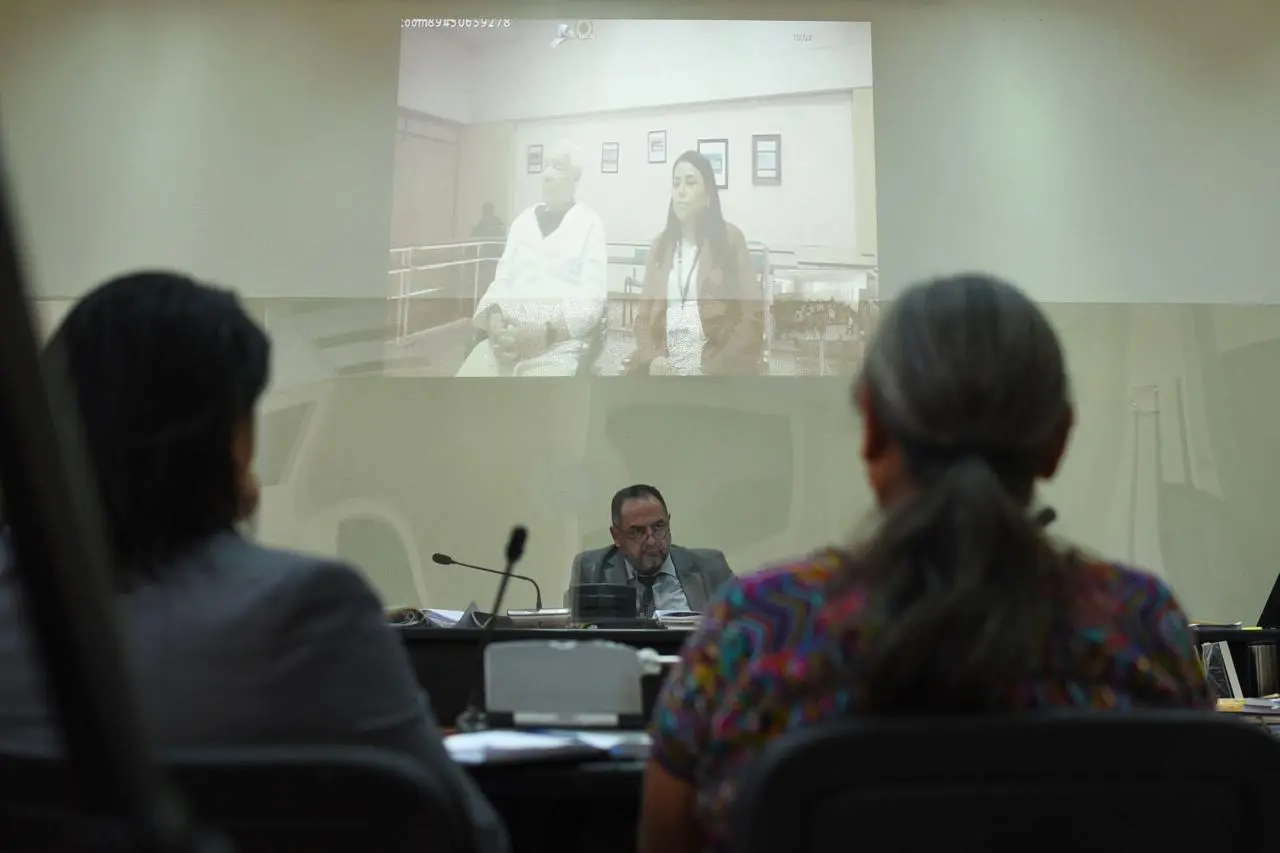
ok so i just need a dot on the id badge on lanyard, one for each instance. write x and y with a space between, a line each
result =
686 281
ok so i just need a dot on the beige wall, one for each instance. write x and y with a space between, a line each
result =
864 174
424 180
1068 144
485 152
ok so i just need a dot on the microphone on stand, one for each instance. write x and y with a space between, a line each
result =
446 560
1045 517
474 719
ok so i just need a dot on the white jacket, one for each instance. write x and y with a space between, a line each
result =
561 278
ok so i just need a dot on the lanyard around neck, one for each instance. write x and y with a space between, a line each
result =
685 281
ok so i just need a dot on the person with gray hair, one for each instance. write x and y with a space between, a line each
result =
550 289
959 603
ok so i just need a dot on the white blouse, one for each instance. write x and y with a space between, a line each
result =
685 337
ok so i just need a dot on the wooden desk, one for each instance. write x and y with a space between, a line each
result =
1238 635
449 662
593 808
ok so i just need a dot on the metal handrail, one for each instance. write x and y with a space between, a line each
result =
401 274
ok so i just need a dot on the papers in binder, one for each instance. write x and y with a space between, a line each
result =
1220 670
502 746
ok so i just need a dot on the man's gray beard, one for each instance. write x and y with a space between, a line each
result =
655 568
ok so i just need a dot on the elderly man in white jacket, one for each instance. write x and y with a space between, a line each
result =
550 289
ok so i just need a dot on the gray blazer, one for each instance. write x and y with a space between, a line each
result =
701 571
240 645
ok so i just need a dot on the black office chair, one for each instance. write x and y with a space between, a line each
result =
1102 783
273 800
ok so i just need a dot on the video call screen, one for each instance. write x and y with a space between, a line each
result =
631 198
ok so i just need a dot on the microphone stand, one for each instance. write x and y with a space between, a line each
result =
446 560
474 719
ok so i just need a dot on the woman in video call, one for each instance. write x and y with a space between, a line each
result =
959 603
701 308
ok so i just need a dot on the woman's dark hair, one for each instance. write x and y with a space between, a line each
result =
710 225
967 376
163 370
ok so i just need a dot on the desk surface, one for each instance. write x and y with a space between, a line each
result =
640 638
566 808
591 780
1238 635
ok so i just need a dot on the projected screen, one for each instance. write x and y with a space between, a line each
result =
632 198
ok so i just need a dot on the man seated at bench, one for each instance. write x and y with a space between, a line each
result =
664 576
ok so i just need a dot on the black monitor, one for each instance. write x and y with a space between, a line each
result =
591 601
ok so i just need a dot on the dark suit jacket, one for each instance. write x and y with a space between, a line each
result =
730 303
239 645
701 571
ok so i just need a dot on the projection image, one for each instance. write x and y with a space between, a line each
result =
632 198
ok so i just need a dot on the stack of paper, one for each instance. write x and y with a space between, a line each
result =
414 617
683 619
622 745
505 746
1262 704
443 618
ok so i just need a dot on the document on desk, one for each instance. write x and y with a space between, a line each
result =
443 618
679 619
506 746
1261 705
620 745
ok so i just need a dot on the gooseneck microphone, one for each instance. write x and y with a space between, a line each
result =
474 718
446 560
1045 516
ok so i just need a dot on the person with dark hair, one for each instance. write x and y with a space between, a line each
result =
231 643
959 603
664 576
701 309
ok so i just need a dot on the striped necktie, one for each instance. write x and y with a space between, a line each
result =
648 603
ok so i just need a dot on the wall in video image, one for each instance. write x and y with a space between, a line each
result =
646 198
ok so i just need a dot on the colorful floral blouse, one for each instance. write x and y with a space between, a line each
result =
766 660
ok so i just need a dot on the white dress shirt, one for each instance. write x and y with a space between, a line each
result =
668 594
685 337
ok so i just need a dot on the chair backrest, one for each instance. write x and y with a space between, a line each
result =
274 800
1105 783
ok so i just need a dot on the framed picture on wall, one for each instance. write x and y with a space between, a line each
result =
717 153
657 146
609 158
766 159
533 159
